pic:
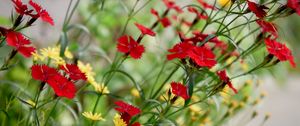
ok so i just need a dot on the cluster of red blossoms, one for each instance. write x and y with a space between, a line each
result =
61 80
16 39
127 111
275 48
39 12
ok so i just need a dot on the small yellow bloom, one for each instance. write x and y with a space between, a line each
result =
196 109
100 88
118 121
37 57
225 3
94 117
135 92
225 93
88 71
245 66
51 52
68 54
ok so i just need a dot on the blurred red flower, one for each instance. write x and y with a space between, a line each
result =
180 90
295 5
180 50
73 71
279 50
42 13
171 5
199 15
223 76
128 45
206 5
19 42
144 30
258 10
268 27
22 9
203 56
164 21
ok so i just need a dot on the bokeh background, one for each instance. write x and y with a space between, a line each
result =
282 86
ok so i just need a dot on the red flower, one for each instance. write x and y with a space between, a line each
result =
268 27
295 5
206 5
280 51
73 71
203 56
180 50
171 5
136 124
144 30
127 108
199 15
223 76
180 90
62 86
164 21
43 72
19 42
258 10
128 45
41 13
21 8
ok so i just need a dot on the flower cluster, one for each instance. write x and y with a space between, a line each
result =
63 86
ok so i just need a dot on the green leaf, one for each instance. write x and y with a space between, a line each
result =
63 43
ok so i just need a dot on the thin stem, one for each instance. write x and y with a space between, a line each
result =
52 110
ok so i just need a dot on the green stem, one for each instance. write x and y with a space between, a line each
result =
52 110
165 81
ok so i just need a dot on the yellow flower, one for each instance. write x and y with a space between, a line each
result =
225 3
135 92
100 88
225 93
68 54
118 121
51 52
94 117
88 71
37 57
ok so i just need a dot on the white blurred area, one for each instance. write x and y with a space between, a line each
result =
281 102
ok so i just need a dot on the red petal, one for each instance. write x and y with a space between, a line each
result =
127 44
42 72
180 51
203 56
144 30
41 13
26 51
73 71
62 87
165 22
124 107
180 90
